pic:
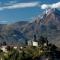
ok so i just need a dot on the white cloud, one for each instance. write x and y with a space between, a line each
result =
20 5
46 6
10 3
15 5
1 22
56 5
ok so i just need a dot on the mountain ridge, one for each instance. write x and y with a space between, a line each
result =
48 26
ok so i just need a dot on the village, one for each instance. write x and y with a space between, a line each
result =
37 48
35 43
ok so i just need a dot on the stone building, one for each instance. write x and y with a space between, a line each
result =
34 42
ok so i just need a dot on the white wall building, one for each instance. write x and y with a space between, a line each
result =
32 43
3 48
35 43
15 47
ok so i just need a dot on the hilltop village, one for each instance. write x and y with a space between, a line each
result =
34 43
33 50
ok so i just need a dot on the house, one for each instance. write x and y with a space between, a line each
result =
33 42
3 48
15 47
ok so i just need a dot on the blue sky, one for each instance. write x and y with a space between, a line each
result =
17 10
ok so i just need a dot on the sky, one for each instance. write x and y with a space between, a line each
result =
12 11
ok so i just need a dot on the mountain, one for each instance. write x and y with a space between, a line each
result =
52 21
12 33
48 25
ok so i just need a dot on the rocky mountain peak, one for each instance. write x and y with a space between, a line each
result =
50 11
